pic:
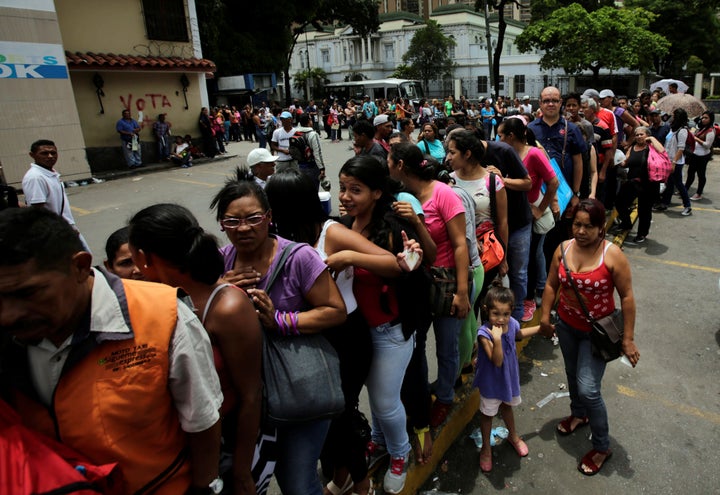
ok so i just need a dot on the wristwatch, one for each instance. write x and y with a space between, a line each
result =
577 193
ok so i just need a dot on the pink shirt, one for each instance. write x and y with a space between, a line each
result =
540 171
443 206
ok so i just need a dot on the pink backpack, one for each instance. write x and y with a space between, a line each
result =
659 165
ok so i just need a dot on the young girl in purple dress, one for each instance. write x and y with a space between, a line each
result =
497 375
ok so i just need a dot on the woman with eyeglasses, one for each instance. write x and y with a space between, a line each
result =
170 247
305 294
298 215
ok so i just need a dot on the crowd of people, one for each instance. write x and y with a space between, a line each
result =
407 254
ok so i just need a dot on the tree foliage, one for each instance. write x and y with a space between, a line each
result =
242 37
428 56
576 40
692 28
316 75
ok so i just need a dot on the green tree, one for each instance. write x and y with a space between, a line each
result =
404 71
428 54
692 28
576 40
316 76
260 37
542 9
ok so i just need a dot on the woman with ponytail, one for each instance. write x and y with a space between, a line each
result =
169 246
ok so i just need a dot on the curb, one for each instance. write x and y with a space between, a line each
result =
156 167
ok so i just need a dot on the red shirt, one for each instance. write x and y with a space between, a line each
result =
595 287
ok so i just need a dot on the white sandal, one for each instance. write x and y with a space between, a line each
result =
336 490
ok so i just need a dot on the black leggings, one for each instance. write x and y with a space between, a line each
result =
698 164
646 193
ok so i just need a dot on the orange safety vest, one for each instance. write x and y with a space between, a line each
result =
115 405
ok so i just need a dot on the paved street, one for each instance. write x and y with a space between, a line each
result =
664 415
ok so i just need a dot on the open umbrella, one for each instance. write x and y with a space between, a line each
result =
664 83
692 105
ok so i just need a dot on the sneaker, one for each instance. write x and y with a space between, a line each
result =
529 308
394 480
374 453
695 197
659 207
639 239
687 211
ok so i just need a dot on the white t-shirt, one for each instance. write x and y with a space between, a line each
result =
282 138
41 185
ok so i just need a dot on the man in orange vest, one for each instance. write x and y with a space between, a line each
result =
119 370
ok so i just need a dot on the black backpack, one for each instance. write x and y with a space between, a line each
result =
300 149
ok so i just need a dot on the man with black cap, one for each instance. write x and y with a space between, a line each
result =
658 128
280 143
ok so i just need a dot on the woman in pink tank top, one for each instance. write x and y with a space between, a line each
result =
598 268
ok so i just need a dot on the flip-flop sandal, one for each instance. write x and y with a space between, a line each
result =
566 424
337 490
520 447
588 462
486 462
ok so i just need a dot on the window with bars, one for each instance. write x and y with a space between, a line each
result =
520 84
482 85
165 20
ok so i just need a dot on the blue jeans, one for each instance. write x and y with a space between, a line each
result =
584 374
132 158
298 448
447 335
518 256
163 148
391 355
674 181
261 139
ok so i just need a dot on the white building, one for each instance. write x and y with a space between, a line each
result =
343 54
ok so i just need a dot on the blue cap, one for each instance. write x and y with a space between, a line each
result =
286 115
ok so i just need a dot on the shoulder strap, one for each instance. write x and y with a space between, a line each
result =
572 283
427 146
211 299
493 206
279 266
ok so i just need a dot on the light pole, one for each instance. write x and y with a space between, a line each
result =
309 72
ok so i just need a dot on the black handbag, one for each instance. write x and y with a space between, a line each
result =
443 289
301 373
607 332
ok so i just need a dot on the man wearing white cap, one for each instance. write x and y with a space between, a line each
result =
526 106
262 165
607 177
280 143
383 129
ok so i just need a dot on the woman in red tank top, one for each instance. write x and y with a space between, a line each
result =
598 268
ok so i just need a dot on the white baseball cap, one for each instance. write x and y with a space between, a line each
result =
605 93
260 155
380 119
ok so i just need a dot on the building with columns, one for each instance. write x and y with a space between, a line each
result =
343 55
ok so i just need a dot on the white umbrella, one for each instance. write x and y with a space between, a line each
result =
664 83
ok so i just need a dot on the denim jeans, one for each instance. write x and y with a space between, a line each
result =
674 181
584 374
132 158
518 256
299 447
163 148
391 355
447 335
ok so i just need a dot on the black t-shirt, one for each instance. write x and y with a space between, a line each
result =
504 157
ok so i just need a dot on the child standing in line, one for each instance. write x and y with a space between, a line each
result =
497 375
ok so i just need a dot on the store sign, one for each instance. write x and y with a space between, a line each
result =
32 61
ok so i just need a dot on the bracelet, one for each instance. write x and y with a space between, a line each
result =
281 323
294 318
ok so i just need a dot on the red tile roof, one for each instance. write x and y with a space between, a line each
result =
110 61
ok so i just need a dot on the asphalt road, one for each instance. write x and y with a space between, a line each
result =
664 415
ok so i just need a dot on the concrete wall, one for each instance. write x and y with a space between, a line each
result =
36 108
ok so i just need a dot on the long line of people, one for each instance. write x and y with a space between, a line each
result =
404 256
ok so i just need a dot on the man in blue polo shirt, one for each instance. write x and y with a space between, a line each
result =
129 131
563 141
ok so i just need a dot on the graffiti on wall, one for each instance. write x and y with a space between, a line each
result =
149 101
